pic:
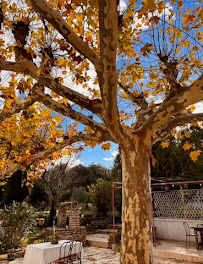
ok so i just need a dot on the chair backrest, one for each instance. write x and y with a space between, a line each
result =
77 247
66 249
200 225
187 228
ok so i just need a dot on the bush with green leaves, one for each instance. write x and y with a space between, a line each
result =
79 194
100 195
18 220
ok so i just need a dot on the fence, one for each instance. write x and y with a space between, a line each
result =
187 204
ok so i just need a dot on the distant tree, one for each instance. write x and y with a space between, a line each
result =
79 194
116 171
56 181
116 174
100 195
14 190
174 160
37 195
91 173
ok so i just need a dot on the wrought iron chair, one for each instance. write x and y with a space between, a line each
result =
200 237
187 233
76 254
65 254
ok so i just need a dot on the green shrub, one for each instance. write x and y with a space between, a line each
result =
18 220
100 195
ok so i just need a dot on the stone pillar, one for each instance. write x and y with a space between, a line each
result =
62 217
74 218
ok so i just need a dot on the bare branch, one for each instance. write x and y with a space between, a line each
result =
171 74
174 122
47 12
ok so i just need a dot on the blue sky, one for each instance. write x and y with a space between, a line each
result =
97 155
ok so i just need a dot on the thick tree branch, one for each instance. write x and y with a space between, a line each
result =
174 122
66 110
28 67
53 16
108 23
193 94
171 74
17 108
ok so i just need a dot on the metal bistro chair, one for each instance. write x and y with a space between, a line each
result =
76 254
65 253
187 233
200 237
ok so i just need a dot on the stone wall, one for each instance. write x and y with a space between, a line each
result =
69 233
74 218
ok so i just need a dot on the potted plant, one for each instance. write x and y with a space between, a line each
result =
41 221
54 239
10 256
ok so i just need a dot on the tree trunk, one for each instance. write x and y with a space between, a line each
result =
137 206
52 213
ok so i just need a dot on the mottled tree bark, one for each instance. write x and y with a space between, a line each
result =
137 206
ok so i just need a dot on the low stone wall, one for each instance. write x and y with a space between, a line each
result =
69 233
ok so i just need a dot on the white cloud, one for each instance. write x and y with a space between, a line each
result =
199 107
71 160
122 6
114 153
108 159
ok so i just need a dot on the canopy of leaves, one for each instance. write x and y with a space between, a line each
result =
53 70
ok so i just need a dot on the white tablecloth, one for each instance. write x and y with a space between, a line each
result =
45 253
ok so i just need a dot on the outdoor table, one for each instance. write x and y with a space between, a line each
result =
200 230
44 253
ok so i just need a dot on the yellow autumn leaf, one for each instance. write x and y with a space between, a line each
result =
149 5
165 144
195 124
39 71
106 146
62 62
187 134
179 135
195 154
187 146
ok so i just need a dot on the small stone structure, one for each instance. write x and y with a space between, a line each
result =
72 232
74 218
62 217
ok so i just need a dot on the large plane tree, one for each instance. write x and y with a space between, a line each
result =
127 72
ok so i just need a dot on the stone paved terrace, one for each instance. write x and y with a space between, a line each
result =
94 255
